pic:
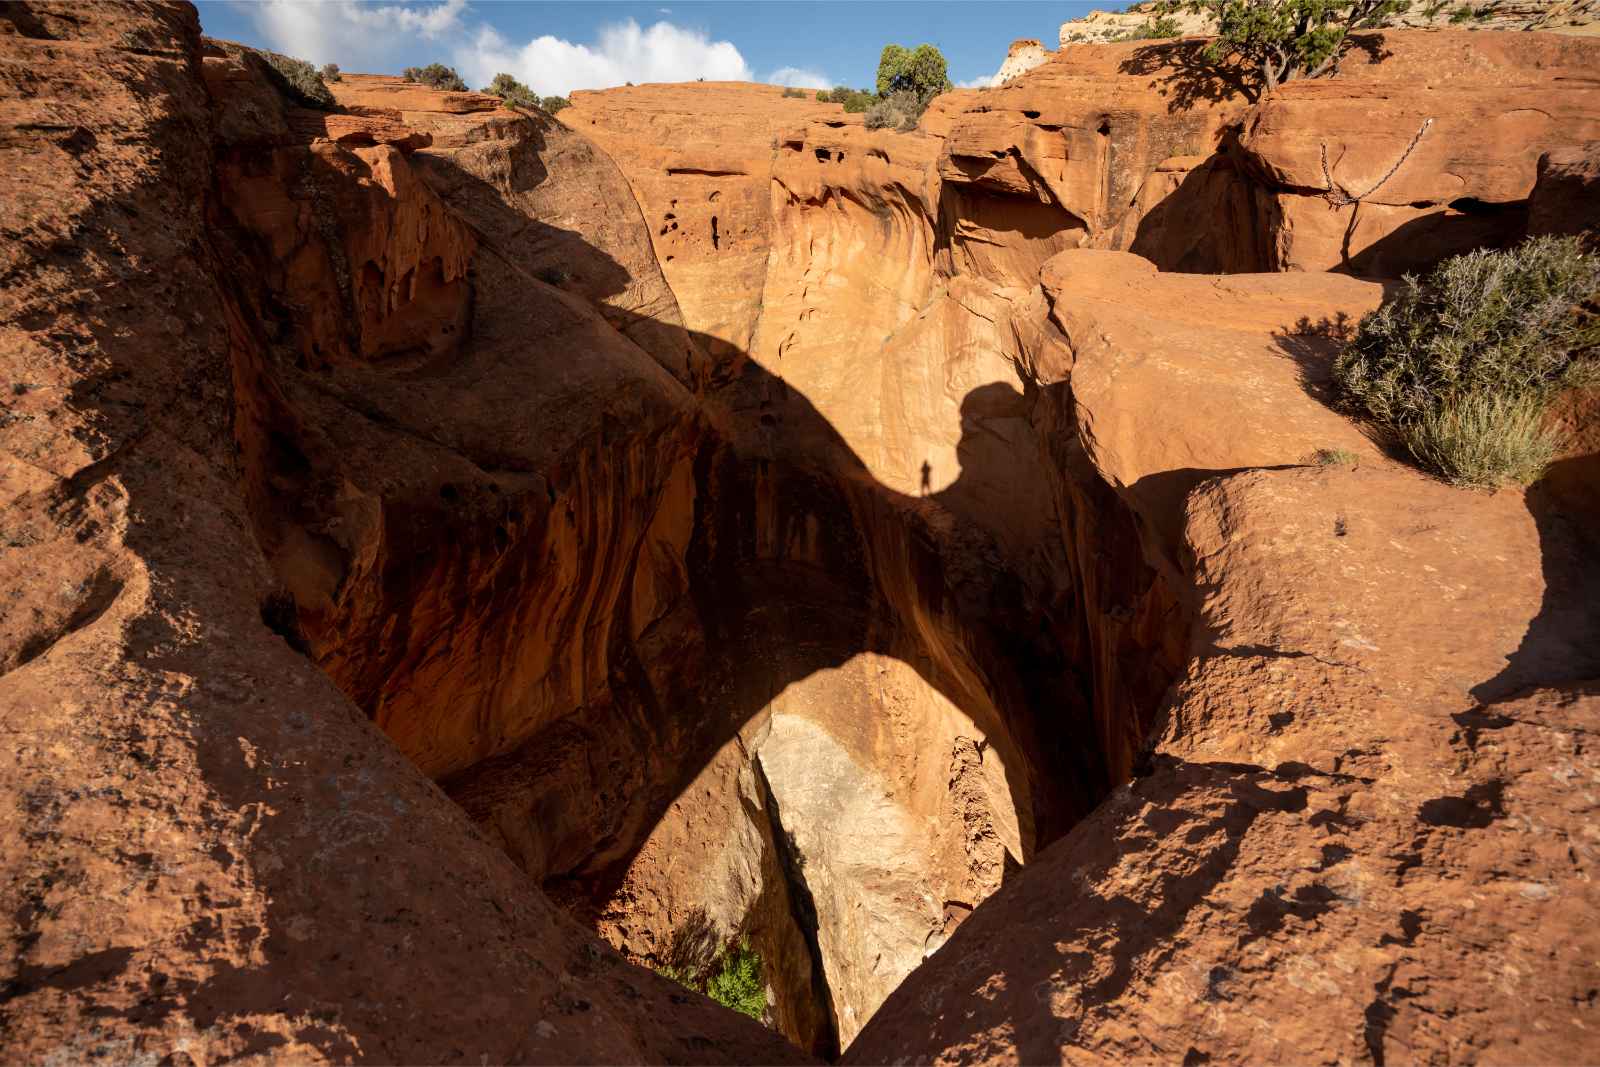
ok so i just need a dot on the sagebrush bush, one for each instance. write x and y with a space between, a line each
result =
897 111
436 76
855 101
553 104
301 80
1482 340
511 91
1484 441
330 72
792 93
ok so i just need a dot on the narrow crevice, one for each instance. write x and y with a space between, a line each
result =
803 908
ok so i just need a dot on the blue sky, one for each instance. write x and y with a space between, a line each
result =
557 47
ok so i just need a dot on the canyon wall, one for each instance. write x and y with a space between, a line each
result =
211 852
728 522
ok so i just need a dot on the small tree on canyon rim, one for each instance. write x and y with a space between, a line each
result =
920 70
436 76
1285 39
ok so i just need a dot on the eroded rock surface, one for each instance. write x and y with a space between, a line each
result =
211 853
944 599
1343 798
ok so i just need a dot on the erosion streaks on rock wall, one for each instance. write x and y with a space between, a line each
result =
1344 805
281 874
699 156
930 558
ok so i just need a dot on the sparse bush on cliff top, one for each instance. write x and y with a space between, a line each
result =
330 72
898 111
511 91
436 76
301 80
1462 365
855 101
792 93
1285 39
1155 29
516 94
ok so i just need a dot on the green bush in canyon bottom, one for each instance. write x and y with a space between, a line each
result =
734 979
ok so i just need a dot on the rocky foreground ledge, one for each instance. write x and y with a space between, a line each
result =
404 526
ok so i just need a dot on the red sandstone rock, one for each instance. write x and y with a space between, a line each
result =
935 555
1344 815
698 156
1566 194
209 852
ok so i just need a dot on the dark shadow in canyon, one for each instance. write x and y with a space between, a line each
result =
799 560
1562 643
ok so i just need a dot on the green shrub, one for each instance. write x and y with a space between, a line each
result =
553 104
1458 363
738 982
794 94
1155 29
921 71
1484 441
330 72
436 76
512 92
898 111
733 977
300 81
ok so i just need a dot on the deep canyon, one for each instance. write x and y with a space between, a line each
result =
457 560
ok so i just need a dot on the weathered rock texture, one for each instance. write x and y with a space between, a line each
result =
1347 814
349 450
698 156
1021 57
1580 17
1137 140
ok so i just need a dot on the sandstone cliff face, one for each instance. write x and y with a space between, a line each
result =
1576 17
698 158
810 613
211 854
1332 814
1136 140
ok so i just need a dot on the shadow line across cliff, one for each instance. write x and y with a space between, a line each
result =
800 559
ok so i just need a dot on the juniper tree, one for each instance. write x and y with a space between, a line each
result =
1285 39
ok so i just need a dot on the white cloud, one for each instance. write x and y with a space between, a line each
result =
799 77
382 37
355 35
984 82
622 52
